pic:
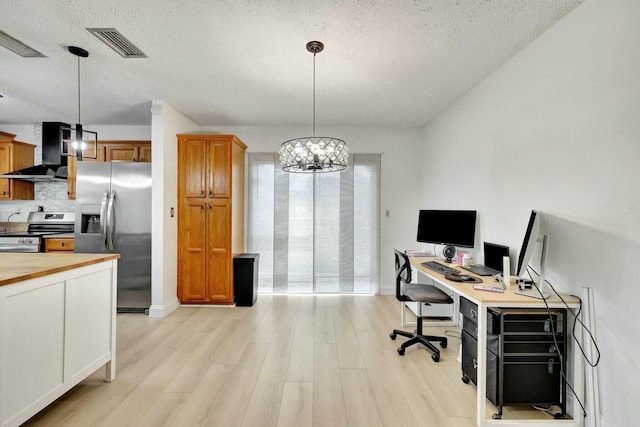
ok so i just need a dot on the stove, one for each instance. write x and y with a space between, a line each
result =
40 224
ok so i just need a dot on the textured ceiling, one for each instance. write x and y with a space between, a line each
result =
243 62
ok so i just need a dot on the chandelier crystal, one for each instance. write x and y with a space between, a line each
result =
311 154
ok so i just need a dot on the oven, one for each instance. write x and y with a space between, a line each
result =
39 224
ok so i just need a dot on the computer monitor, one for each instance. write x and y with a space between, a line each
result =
447 227
529 243
494 255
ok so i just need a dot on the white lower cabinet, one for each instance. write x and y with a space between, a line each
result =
54 331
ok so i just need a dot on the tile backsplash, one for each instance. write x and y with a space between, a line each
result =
52 196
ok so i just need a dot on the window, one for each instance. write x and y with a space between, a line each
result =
315 233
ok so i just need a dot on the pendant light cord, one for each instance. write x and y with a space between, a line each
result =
79 90
314 94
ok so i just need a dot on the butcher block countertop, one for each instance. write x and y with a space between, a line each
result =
16 267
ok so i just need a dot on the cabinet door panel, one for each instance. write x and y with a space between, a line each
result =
219 280
5 166
219 286
192 168
219 161
122 153
192 253
15 155
144 153
99 154
72 164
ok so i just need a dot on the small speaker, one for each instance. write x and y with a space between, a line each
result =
506 270
449 252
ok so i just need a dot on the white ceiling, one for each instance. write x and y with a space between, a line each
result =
244 62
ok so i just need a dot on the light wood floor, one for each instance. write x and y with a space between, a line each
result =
287 361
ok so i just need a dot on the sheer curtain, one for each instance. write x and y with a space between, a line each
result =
315 233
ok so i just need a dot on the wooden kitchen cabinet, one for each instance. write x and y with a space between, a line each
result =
127 151
59 244
15 155
108 151
72 165
210 216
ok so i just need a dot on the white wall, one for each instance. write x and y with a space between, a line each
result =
557 129
400 176
166 123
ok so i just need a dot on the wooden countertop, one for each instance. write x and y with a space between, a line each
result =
16 267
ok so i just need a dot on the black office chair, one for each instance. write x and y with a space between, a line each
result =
427 294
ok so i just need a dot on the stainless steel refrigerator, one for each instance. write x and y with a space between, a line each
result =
113 215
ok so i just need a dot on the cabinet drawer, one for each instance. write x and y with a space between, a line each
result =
469 311
528 346
63 244
493 340
533 323
533 381
470 366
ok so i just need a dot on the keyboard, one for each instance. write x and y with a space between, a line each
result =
481 270
439 268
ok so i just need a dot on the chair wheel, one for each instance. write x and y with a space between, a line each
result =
443 343
465 379
435 357
496 416
401 351
392 335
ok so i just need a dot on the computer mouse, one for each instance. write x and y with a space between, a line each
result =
466 278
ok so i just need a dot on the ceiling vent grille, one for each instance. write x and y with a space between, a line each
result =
16 46
116 41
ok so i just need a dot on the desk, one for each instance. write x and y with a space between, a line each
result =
508 299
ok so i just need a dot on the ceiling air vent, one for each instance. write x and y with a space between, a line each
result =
16 46
116 41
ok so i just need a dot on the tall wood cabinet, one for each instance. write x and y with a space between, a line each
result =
210 216
15 155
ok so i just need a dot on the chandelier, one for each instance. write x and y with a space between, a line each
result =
78 141
312 154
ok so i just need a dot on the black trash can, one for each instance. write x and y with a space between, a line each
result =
245 279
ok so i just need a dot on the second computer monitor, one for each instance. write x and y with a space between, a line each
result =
494 254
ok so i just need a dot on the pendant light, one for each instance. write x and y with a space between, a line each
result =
313 154
78 133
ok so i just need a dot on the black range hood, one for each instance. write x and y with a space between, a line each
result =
54 164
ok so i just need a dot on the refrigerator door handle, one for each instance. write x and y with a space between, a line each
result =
103 218
110 220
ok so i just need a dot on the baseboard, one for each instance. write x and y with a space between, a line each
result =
387 291
157 310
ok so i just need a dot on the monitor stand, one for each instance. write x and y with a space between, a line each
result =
540 291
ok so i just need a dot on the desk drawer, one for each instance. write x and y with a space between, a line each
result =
470 366
469 311
532 381
493 340
533 322
533 346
